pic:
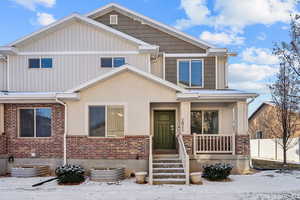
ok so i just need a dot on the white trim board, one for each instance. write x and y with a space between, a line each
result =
79 53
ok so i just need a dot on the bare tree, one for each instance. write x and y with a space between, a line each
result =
285 96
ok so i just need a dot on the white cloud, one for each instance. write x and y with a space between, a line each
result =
250 76
261 36
45 19
222 38
32 4
235 14
259 56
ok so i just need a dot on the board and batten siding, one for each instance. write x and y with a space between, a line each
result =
68 71
209 71
77 36
3 75
166 42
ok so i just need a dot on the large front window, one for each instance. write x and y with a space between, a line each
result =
205 122
35 122
106 121
190 72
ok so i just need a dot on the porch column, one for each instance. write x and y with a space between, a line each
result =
1 119
185 118
242 140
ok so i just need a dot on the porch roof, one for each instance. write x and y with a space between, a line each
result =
216 94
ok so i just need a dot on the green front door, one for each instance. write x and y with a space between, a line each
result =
164 130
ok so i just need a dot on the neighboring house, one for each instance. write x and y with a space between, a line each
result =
113 88
263 122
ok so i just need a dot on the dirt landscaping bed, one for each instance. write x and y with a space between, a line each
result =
269 164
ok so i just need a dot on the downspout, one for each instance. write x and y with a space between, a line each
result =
65 129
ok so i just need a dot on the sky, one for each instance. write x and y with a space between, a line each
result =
248 27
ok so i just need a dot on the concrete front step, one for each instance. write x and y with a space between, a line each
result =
159 181
168 170
168 175
167 165
166 156
166 161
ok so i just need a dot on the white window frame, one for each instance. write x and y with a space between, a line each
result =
190 74
111 21
87 122
112 57
40 58
34 118
202 116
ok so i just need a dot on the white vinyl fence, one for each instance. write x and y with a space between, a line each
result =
271 149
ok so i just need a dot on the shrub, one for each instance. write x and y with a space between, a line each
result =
219 171
70 174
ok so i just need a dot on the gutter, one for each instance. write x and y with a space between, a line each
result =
65 129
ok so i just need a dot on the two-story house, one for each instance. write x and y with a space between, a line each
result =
115 88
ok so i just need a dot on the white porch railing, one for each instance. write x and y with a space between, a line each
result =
184 158
209 143
150 160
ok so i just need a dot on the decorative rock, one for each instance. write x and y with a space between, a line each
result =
140 177
196 178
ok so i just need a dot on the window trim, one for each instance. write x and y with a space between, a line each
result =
111 21
112 60
190 74
202 114
40 58
87 119
19 120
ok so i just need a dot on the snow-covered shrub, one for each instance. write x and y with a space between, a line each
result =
70 174
219 171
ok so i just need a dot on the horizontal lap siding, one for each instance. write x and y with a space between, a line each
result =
68 71
209 71
135 28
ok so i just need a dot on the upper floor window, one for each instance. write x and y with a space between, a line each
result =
35 122
106 121
205 122
112 62
190 72
40 62
113 19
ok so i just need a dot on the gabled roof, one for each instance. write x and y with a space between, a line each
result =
270 103
165 28
123 69
76 16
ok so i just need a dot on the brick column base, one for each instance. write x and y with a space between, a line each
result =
188 143
3 145
242 145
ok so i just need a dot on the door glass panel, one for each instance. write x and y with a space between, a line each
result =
26 123
196 122
196 74
184 72
97 121
43 122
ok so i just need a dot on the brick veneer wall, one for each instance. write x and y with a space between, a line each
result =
129 147
242 145
51 147
3 145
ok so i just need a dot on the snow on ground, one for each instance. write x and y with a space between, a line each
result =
263 185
